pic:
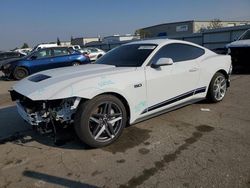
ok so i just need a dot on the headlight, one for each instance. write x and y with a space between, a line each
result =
228 51
6 66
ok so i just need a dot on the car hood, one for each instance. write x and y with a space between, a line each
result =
58 83
239 43
12 60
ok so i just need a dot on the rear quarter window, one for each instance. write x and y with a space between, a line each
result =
179 52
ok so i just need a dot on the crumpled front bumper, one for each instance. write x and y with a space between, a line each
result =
32 119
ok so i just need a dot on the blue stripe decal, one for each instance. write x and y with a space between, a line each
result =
175 99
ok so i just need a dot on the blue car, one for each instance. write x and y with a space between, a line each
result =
43 59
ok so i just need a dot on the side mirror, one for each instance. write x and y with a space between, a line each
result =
162 62
33 57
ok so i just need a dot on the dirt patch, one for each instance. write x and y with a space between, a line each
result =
5 100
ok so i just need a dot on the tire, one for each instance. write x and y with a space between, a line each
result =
217 88
100 121
20 73
75 63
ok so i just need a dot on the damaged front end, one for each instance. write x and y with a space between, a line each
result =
43 113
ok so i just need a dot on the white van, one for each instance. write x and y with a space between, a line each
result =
40 46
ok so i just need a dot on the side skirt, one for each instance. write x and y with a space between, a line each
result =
166 110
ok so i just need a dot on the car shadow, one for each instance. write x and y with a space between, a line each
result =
42 177
15 130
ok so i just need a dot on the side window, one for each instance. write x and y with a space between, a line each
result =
93 50
43 54
179 52
61 52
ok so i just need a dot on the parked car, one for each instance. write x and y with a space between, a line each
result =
44 45
131 83
43 59
95 53
240 50
10 55
77 48
6 57
25 51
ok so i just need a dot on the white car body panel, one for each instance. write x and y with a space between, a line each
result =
239 43
93 56
142 87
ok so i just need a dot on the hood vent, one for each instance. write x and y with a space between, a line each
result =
38 78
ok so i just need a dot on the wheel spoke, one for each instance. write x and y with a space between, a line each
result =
97 129
115 115
110 126
94 120
100 132
110 134
114 120
224 86
218 94
107 108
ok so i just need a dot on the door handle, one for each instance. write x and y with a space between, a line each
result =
194 69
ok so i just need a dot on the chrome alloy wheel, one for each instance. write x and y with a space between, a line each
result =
105 121
219 88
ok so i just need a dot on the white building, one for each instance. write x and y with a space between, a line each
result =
120 38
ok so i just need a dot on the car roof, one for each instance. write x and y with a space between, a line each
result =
54 47
163 41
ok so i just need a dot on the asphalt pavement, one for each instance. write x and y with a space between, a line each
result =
201 145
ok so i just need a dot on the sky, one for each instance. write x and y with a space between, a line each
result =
37 21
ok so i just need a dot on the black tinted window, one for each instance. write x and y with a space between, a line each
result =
45 53
179 52
246 36
61 51
132 55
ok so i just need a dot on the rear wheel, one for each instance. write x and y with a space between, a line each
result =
100 121
20 73
217 88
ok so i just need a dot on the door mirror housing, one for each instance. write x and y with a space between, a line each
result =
162 62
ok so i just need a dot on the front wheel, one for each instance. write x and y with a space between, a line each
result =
217 88
20 73
100 121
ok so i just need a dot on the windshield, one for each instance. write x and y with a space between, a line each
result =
132 55
245 36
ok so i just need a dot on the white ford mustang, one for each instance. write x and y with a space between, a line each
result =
129 84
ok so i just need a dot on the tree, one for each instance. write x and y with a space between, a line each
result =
215 23
25 45
58 41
